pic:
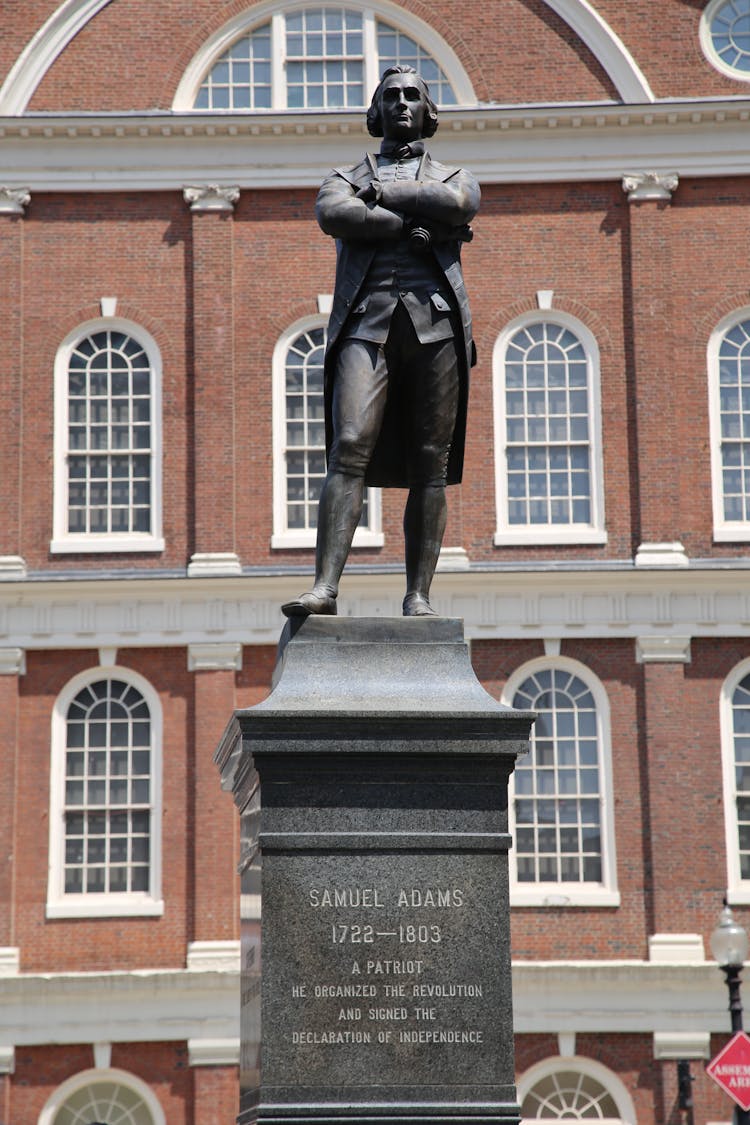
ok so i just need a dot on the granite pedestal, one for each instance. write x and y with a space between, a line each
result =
372 787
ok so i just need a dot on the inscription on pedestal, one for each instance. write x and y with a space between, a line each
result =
390 957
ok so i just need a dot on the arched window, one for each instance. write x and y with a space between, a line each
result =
107 440
549 484
305 56
561 808
725 36
735 741
299 441
574 1089
105 807
729 413
103 1097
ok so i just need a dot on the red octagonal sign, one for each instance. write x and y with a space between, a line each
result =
731 1069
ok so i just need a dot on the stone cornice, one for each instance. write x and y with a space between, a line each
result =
659 608
502 144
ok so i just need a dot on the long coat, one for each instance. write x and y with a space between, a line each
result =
449 196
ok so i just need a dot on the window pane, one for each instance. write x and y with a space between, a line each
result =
103 780
103 382
545 416
561 830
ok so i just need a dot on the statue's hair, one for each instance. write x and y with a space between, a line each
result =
374 117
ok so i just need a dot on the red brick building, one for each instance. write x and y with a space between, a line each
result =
164 298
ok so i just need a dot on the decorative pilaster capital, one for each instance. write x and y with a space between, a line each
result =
13 201
662 650
12 662
643 187
211 197
219 657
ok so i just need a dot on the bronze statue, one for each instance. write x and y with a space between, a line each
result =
399 339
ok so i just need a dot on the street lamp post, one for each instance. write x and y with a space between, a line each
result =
729 945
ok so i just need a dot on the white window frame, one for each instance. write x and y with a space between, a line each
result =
64 541
57 1099
272 11
126 904
738 889
566 894
725 531
707 44
506 534
589 1068
284 538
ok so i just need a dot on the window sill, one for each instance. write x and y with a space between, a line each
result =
738 896
739 533
105 906
105 544
291 540
563 896
543 536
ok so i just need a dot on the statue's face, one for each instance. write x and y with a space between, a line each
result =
402 108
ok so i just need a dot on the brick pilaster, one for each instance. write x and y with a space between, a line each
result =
216 828
213 387
12 204
657 404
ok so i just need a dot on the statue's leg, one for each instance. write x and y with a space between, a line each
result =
424 525
360 389
433 406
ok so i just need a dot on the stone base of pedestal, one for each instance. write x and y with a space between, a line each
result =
372 785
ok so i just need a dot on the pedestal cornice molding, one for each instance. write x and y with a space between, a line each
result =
211 197
13 201
650 187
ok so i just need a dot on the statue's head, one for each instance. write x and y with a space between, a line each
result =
401 107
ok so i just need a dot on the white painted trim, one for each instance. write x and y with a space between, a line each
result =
10 961
41 51
12 662
12 567
533 535
14 201
112 1074
213 956
102 1055
707 46
154 1005
259 14
607 47
214 564
682 1045
213 1052
501 144
166 610
650 187
604 894
672 948
662 650
661 554
738 889
215 657
282 537
7 1059
63 541
725 531
135 904
589 1067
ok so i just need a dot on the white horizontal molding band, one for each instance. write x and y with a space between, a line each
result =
578 996
670 607
119 1007
501 144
